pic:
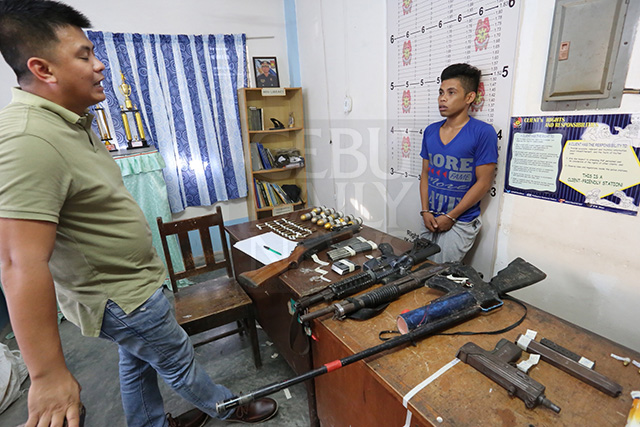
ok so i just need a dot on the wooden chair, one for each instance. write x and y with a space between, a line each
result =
212 303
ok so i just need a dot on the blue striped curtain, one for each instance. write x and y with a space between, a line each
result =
186 87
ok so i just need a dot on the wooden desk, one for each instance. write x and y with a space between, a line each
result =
370 393
271 299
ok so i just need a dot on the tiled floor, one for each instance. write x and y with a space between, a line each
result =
229 361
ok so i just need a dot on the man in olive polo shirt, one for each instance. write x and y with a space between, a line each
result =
67 219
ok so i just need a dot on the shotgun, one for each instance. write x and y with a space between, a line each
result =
303 250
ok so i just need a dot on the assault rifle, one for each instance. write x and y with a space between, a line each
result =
373 302
379 270
304 249
464 288
516 275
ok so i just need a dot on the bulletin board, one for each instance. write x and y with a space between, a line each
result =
585 160
424 37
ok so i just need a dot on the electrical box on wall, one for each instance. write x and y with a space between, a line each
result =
589 54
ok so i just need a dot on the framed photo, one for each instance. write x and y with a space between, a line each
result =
266 71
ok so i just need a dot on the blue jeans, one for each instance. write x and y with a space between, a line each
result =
151 342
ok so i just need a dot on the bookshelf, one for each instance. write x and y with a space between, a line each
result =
264 177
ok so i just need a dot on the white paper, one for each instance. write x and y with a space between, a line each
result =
255 247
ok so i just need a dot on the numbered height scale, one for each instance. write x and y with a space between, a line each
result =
426 36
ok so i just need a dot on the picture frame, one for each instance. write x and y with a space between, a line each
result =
265 69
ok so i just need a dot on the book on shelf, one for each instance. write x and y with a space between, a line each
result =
280 192
272 160
259 199
264 199
270 194
256 161
263 155
255 118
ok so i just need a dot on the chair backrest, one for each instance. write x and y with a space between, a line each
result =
181 228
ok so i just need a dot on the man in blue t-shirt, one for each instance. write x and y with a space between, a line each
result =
458 167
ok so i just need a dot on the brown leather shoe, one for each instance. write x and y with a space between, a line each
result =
255 412
192 418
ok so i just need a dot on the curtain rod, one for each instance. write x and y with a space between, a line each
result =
261 37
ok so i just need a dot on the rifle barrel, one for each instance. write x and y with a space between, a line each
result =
318 313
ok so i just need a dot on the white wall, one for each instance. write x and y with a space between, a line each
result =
342 53
255 18
588 255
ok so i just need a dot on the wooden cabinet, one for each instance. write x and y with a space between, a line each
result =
281 107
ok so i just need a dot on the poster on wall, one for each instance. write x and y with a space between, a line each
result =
586 160
426 36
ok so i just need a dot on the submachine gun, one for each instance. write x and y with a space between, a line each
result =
384 269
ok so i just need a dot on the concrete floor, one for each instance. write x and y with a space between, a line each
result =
229 361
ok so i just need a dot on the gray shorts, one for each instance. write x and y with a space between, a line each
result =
455 243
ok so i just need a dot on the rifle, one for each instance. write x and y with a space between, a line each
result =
375 301
514 273
464 288
304 249
387 267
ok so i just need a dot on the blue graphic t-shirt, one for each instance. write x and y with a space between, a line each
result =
452 167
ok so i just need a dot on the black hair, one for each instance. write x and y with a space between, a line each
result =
468 75
28 28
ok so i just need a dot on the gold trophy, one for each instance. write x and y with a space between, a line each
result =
138 140
103 127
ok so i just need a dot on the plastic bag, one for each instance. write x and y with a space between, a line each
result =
13 372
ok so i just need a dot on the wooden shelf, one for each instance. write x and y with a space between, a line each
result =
269 209
278 107
268 171
268 131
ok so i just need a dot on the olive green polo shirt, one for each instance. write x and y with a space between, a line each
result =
54 168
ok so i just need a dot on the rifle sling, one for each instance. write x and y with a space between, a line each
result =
296 329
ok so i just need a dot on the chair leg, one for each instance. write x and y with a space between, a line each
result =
241 326
253 335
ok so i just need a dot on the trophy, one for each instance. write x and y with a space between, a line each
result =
103 127
137 139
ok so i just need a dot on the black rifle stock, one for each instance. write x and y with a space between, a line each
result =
304 249
453 318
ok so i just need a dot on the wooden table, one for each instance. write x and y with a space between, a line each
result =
370 393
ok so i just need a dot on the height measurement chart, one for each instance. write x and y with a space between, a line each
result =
426 36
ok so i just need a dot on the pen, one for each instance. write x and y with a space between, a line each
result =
272 250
